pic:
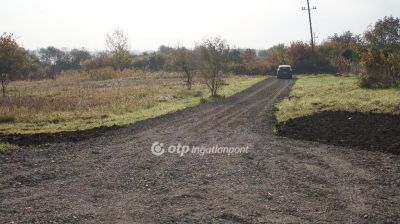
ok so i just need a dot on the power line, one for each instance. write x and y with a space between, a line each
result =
309 16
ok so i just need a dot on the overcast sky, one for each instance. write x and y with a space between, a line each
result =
149 23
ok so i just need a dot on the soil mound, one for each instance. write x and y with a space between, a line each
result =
376 132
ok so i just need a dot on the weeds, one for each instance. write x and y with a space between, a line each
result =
79 100
313 94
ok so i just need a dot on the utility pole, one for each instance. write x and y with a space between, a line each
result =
315 38
312 35
309 16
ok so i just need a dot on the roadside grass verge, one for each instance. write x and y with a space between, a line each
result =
79 102
7 147
313 94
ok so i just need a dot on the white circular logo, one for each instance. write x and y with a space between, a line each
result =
157 149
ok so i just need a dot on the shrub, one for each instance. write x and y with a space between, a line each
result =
379 69
393 61
380 62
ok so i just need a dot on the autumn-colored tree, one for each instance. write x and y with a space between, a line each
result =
379 62
344 65
393 64
280 53
249 55
275 56
304 60
300 57
12 58
341 51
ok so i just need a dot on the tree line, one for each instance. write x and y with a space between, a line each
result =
373 55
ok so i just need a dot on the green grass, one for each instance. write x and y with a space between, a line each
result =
69 103
7 147
313 94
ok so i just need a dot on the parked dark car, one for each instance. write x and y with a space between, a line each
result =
284 72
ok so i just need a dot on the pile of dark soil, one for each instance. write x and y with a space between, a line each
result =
45 138
376 132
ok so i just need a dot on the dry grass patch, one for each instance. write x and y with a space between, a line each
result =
84 100
313 94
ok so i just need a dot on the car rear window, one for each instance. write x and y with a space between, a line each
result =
284 68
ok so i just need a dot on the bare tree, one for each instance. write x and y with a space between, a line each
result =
185 61
215 55
117 43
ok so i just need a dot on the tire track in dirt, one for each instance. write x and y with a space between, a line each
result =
231 117
215 109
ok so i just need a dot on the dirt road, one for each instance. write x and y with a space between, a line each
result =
115 178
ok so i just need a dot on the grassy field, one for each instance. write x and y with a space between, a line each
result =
84 100
313 94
